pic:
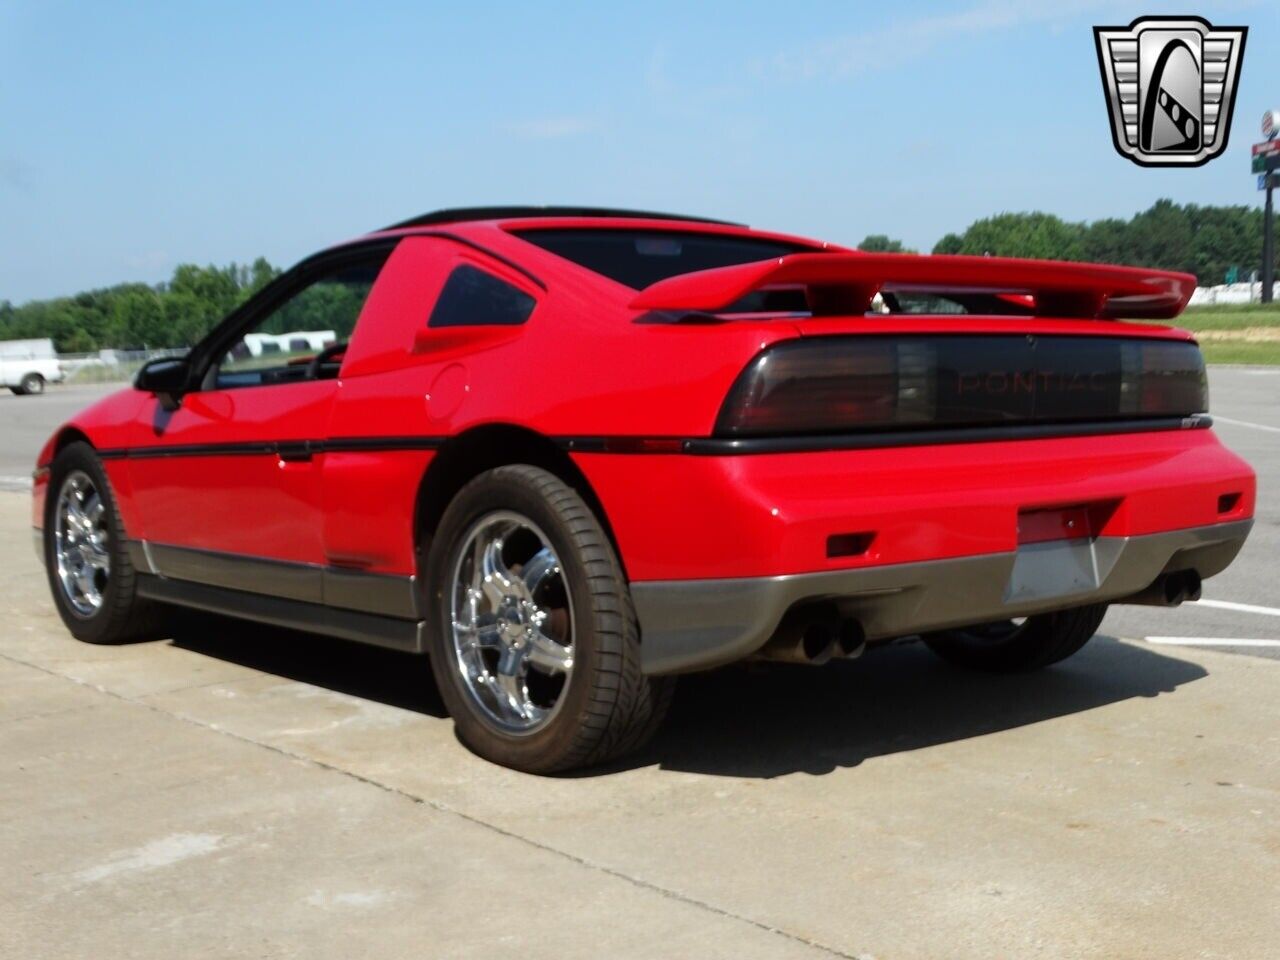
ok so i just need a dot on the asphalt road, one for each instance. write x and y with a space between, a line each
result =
27 422
238 791
1245 403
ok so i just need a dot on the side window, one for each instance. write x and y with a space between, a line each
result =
281 346
471 297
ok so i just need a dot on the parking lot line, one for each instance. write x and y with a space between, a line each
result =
1212 642
1245 423
1238 607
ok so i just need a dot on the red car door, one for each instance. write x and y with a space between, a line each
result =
227 485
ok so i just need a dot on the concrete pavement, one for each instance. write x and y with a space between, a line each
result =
245 792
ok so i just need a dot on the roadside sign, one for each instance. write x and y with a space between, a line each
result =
1266 155
1262 180
1271 123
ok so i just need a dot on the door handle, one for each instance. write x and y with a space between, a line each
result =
299 452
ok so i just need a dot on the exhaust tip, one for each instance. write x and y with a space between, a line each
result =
807 634
1168 590
817 641
851 638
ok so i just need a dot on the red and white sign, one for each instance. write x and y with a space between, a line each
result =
1270 123
1266 146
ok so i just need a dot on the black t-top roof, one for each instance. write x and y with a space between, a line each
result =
456 214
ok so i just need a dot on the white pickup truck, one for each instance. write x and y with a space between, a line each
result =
27 365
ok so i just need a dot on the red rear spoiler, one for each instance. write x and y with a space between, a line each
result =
847 282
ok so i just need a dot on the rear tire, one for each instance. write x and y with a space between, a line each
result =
94 584
581 699
1008 647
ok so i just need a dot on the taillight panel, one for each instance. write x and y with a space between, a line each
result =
864 383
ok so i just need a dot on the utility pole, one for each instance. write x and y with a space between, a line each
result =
1266 161
1268 242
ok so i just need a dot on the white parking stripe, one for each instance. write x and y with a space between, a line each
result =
1245 423
1238 607
1212 642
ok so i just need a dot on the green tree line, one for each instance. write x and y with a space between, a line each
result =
1206 241
176 313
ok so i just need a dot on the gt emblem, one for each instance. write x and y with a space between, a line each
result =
1170 84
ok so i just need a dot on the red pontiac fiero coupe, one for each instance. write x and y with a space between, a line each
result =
571 453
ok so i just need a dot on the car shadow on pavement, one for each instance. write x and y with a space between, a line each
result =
757 720
766 720
386 676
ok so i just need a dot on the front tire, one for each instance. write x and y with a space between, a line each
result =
32 385
93 582
1009 646
536 649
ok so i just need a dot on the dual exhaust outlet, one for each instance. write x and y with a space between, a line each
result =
1169 590
814 634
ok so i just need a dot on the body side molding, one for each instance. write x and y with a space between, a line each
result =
380 631
389 596
701 446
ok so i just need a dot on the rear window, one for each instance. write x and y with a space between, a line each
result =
638 258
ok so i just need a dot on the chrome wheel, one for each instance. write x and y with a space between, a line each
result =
512 622
82 543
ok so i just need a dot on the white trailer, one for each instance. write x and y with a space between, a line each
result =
27 365
297 341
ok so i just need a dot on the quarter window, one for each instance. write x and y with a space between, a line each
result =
471 297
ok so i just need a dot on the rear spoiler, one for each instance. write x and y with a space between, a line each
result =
847 282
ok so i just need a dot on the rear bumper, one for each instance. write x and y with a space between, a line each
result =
908 539
691 625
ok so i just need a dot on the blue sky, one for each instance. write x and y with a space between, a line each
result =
134 136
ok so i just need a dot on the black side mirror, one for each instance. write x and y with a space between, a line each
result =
167 377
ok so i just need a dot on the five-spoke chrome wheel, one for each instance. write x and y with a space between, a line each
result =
512 620
82 543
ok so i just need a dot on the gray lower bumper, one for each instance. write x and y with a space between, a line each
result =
695 624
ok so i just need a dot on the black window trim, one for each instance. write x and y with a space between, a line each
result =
208 352
211 348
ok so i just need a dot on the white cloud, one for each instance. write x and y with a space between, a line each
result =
910 38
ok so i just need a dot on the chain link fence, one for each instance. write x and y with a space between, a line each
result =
109 366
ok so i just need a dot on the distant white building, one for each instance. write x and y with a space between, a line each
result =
299 341
1230 293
